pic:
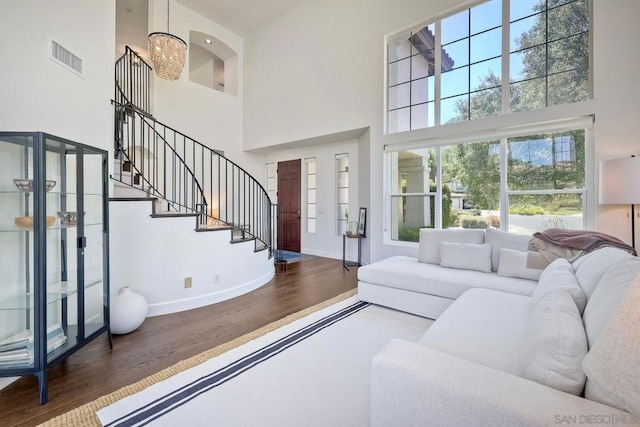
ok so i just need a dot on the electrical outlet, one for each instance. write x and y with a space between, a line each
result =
216 278
188 282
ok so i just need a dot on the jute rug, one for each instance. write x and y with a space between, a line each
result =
85 415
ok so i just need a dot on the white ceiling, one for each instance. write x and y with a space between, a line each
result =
241 16
131 26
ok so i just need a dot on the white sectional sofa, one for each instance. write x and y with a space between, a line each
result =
563 350
424 287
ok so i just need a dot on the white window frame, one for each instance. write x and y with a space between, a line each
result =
309 161
271 180
585 122
505 58
338 205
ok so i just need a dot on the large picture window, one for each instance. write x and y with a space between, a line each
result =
524 184
452 69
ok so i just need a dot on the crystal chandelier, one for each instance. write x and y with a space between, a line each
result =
167 53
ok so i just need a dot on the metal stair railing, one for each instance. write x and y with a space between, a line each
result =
137 153
133 81
187 175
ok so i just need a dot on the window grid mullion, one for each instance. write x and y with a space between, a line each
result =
439 183
410 80
469 67
546 54
506 37
437 73
504 195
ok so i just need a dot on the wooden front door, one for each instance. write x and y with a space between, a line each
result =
289 205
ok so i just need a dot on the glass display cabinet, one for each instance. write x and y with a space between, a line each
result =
54 286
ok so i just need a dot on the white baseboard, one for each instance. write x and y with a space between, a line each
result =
4 382
208 299
323 254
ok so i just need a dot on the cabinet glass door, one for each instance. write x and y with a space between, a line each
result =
62 253
16 252
95 296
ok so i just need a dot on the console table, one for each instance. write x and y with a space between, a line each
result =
346 264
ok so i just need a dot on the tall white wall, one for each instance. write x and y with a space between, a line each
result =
617 96
39 94
323 62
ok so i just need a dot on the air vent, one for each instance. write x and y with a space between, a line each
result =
65 58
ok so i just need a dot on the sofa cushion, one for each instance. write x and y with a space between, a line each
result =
554 344
559 275
408 273
590 267
611 287
483 326
613 364
514 264
503 239
430 239
466 256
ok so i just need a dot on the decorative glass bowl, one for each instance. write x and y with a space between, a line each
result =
68 218
26 222
26 185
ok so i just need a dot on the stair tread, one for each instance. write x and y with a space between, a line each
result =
246 239
173 215
260 248
132 199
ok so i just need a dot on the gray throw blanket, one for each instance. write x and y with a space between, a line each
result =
546 246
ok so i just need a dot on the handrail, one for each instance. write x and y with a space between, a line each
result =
128 153
187 174
133 78
193 177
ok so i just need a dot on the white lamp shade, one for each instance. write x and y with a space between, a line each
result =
620 181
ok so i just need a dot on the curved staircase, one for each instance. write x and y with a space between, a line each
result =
191 189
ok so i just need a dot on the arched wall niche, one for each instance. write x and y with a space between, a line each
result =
212 63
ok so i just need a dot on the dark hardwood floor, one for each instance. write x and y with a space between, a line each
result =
165 340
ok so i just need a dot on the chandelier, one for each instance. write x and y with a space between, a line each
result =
167 53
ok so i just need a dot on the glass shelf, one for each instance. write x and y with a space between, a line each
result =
52 192
14 229
56 346
55 292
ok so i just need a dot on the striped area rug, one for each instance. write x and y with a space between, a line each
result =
313 371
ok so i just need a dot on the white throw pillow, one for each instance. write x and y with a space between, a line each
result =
430 239
559 275
514 264
613 363
503 239
554 344
466 256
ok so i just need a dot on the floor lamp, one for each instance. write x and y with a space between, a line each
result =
620 185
